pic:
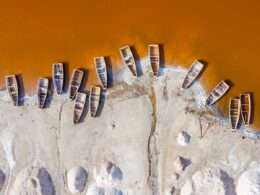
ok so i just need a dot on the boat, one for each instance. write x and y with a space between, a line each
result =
234 112
12 88
42 91
129 60
217 93
101 69
154 57
192 74
246 107
94 100
80 101
75 83
58 77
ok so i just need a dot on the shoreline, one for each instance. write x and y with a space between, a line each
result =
122 75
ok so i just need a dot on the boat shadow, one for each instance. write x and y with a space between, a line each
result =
49 93
21 90
85 109
66 80
162 59
137 59
82 87
205 65
101 105
110 77
252 108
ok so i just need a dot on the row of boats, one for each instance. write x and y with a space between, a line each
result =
237 106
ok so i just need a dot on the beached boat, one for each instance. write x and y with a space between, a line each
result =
101 69
42 91
192 74
75 83
94 100
217 93
154 57
58 77
128 58
234 112
80 101
246 108
12 87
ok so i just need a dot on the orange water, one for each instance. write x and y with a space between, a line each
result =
33 35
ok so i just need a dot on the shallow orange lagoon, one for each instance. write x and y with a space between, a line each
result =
225 34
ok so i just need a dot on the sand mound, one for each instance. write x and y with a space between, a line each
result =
183 138
212 181
107 174
33 180
2 179
96 190
181 163
76 179
249 182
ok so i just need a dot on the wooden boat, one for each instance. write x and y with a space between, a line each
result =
128 58
12 87
42 91
246 108
80 101
234 112
192 74
58 77
101 69
217 93
75 83
94 100
154 56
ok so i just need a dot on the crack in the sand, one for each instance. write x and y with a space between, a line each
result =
57 139
152 147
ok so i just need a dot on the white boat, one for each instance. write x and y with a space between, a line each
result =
42 91
246 107
101 69
79 104
129 60
217 93
192 74
75 83
154 57
58 77
94 98
234 112
12 88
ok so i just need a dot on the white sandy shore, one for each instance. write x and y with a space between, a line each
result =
129 149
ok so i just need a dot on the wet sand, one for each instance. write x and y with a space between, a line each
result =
224 34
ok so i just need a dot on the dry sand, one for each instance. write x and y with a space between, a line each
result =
130 148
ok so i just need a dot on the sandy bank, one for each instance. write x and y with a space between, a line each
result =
130 148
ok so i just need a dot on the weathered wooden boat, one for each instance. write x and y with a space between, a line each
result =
234 112
75 83
101 69
58 77
192 74
42 91
218 92
94 98
79 104
154 57
12 88
129 60
246 107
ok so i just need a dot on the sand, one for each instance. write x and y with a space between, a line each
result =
130 148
